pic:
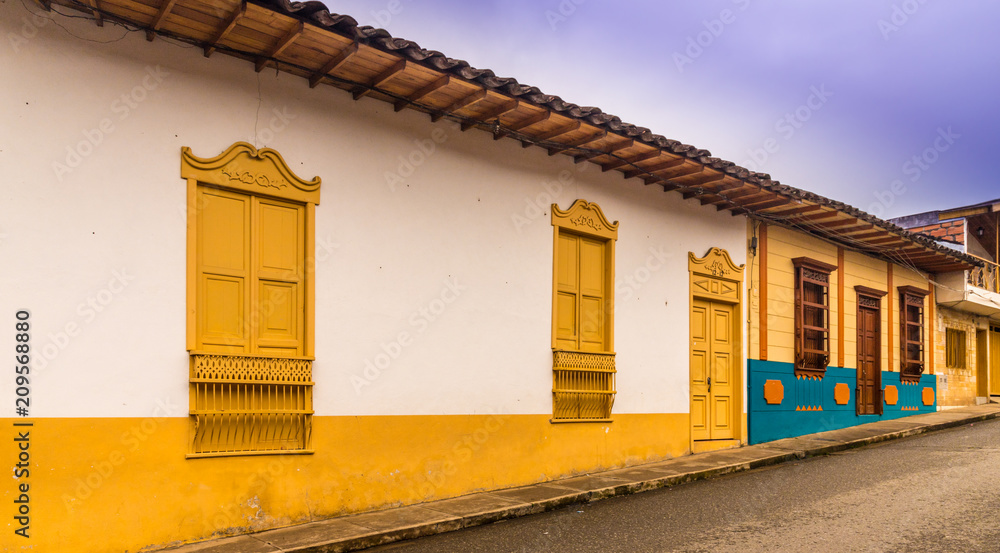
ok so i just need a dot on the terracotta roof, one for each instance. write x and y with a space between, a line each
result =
306 39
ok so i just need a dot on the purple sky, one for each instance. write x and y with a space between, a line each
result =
848 95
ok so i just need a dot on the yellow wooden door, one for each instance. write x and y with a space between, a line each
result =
713 370
982 363
994 363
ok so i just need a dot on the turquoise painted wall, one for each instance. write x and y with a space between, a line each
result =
773 422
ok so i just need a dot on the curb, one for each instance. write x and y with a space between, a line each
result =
773 453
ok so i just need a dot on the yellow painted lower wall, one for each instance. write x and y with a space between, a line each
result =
123 484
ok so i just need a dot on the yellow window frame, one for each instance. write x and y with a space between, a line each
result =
583 382
257 400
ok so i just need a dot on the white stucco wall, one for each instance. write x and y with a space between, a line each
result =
468 213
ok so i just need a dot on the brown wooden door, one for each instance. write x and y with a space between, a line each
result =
869 391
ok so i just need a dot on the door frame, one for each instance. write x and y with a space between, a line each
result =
716 278
994 360
869 298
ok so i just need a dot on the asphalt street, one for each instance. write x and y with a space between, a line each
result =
937 492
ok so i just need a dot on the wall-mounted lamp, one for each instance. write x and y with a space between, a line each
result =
980 231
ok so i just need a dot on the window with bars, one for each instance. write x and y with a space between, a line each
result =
812 316
955 348
911 332
583 379
250 303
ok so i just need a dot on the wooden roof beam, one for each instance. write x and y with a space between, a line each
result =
461 103
865 227
380 79
95 10
654 168
583 141
534 119
283 43
736 190
763 205
749 194
883 242
801 209
726 186
630 161
424 91
695 192
623 145
839 223
226 29
493 114
667 185
873 234
573 125
682 171
161 15
332 65
817 217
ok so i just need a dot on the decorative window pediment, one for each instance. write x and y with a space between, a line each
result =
716 263
245 168
586 218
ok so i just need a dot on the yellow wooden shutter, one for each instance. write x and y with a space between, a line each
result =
279 285
581 290
223 271
592 286
568 292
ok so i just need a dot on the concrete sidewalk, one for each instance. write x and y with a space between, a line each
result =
353 532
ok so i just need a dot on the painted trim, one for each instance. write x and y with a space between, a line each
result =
245 168
930 328
715 264
762 311
309 336
840 306
584 217
889 326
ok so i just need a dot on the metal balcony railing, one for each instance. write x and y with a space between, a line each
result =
986 277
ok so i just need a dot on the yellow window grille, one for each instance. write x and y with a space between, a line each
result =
583 385
245 404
